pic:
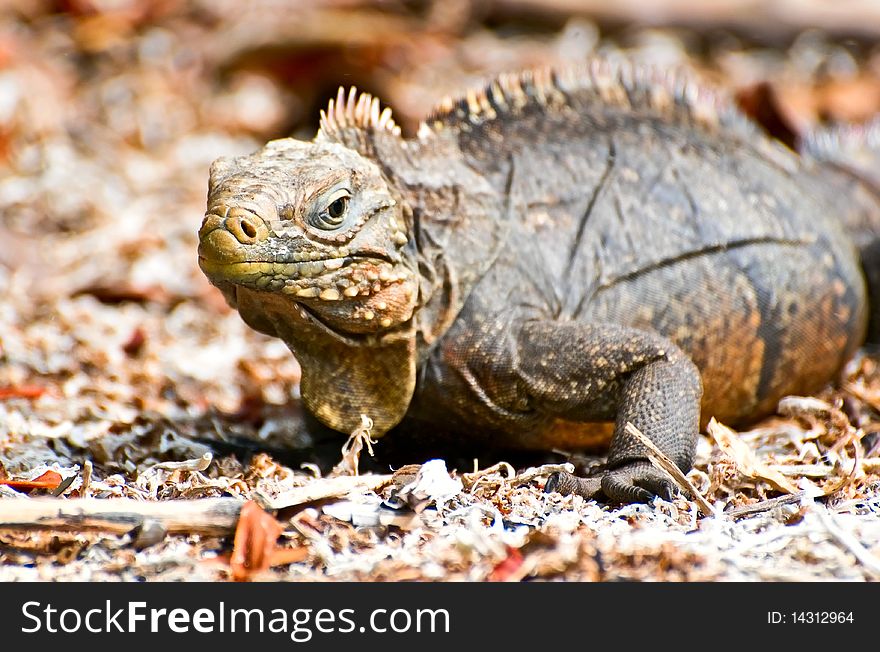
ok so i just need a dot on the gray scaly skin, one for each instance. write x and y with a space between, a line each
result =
550 258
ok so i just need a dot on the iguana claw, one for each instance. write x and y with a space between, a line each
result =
631 483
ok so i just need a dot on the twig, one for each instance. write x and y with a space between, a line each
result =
197 464
471 480
120 515
765 505
64 485
536 472
659 459
86 479
323 488
798 470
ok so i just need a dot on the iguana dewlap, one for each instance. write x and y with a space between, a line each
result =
604 243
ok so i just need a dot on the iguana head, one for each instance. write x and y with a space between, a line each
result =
314 242
316 227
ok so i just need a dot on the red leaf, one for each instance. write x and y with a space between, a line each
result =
285 556
21 391
254 544
506 567
49 480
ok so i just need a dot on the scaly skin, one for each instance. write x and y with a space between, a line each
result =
605 244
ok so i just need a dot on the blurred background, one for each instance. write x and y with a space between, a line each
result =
111 112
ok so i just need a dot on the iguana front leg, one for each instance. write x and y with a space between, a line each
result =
589 372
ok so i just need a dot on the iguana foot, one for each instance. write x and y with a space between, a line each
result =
636 482
567 484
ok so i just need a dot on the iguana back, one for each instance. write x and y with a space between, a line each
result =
635 199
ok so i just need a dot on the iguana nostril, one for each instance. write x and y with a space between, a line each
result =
245 228
249 229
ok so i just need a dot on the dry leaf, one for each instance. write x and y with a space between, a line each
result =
744 457
254 545
49 480
354 445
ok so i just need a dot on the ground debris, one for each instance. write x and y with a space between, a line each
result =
122 370
353 447
254 546
745 460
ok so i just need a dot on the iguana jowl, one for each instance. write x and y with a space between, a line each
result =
560 249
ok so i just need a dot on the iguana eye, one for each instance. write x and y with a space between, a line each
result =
337 209
333 215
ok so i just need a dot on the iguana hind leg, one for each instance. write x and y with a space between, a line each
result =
588 372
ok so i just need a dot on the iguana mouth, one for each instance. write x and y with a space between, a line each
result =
290 269
330 279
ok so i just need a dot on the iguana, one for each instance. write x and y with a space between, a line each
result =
599 244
